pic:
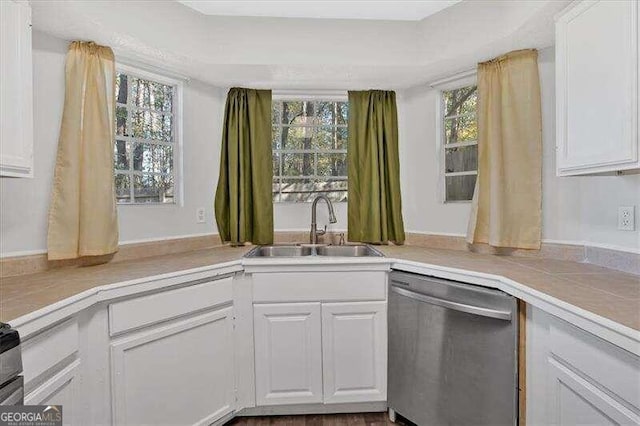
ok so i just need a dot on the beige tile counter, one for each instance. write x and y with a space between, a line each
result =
23 294
611 294
605 292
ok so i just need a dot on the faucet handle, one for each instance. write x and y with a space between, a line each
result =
341 242
321 231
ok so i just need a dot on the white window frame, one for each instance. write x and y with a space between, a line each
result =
178 83
310 96
452 83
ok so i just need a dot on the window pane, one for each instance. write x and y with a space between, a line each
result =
153 158
325 113
461 159
121 121
343 112
297 164
122 88
276 163
276 190
120 155
309 126
460 129
152 125
298 190
153 188
460 101
341 138
304 115
123 188
291 110
305 190
276 137
332 164
152 95
336 190
324 138
276 112
460 188
297 137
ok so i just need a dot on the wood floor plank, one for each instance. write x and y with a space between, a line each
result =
313 420
350 419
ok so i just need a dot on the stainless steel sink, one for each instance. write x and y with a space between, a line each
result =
279 251
356 250
360 250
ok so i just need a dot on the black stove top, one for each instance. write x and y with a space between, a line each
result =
9 338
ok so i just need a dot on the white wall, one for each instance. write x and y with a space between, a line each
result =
25 202
575 209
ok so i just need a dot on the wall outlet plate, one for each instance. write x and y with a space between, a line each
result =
200 215
627 218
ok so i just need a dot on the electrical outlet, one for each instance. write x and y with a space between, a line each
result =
200 215
626 218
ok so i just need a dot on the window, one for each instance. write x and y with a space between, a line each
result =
146 143
459 139
309 150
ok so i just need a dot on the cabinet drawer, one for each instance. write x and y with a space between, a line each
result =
604 363
319 286
142 311
45 350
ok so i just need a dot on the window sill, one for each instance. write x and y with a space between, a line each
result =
306 202
147 204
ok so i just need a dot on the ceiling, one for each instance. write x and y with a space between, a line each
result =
302 53
380 10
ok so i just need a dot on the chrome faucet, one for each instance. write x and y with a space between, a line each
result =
313 236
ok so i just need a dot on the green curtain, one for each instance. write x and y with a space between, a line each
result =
244 201
375 206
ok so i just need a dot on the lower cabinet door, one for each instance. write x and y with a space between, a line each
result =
577 401
288 358
61 389
354 351
177 374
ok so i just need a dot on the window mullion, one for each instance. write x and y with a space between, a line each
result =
130 145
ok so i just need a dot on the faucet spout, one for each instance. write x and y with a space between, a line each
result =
313 236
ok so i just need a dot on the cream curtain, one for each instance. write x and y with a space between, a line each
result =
82 216
506 209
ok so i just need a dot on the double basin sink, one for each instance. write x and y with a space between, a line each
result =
298 250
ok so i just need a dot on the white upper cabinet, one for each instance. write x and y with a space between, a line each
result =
597 88
16 101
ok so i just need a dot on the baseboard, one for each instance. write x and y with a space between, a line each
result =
297 409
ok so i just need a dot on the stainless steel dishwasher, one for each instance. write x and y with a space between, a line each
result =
452 352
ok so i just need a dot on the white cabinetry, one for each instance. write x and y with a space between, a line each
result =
329 347
62 389
354 349
177 374
288 353
16 100
172 360
575 378
51 369
597 87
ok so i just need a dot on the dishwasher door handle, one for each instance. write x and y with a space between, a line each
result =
457 306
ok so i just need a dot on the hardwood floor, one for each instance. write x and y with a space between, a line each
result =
355 419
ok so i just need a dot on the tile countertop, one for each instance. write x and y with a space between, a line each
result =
610 294
605 292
